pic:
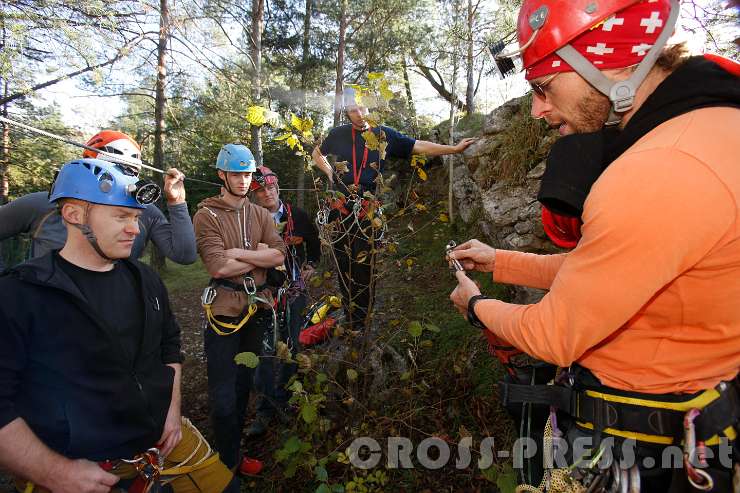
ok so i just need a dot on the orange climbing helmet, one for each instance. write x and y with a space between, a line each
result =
117 143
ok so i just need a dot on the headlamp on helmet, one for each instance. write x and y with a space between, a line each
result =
262 177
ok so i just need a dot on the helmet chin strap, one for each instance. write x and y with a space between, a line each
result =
620 93
228 189
90 236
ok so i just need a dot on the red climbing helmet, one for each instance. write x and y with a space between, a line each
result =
262 177
588 36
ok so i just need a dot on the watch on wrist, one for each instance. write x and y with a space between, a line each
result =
472 317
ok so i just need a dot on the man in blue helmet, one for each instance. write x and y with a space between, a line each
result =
90 355
238 243
32 214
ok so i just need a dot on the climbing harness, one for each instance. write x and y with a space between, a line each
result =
706 419
149 467
248 285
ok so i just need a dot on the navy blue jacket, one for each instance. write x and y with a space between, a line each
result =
66 374
339 143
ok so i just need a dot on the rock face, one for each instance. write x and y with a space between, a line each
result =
507 213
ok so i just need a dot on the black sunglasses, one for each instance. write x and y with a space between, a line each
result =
539 88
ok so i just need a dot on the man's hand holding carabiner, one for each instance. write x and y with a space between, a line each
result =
466 289
475 255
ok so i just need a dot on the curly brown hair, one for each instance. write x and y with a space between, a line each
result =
672 57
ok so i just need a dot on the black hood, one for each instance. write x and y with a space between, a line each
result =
576 161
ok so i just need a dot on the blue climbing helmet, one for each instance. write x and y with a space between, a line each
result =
104 183
236 158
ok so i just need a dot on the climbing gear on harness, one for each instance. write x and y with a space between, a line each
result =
321 319
148 470
693 451
649 418
115 144
700 420
209 295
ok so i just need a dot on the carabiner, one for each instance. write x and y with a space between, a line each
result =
322 217
454 263
250 287
698 478
209 294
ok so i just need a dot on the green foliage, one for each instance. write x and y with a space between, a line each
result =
182 278
523 145
248 359
34 160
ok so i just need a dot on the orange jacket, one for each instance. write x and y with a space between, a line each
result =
649 300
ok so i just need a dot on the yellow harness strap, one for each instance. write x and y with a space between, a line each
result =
217 325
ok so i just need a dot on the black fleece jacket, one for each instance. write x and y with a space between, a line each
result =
66 374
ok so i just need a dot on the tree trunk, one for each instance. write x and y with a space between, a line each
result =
438 85
258 20
5 156
301 182
470 90
409 96
450 159
340 64
158 260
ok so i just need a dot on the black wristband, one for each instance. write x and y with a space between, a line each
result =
472 317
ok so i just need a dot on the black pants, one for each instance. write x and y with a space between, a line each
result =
229 384
356 269
274 394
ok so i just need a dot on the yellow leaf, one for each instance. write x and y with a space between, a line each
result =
422 174
385 91
375 76
381 149
443 218
301 124
256 115
421 207
371 140
284 136
418 160
292 141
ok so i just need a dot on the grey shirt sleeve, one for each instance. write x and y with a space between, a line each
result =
20 215
23 215
174 238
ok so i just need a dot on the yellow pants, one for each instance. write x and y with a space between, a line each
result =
191 467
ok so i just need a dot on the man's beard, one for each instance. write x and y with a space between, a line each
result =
592 112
